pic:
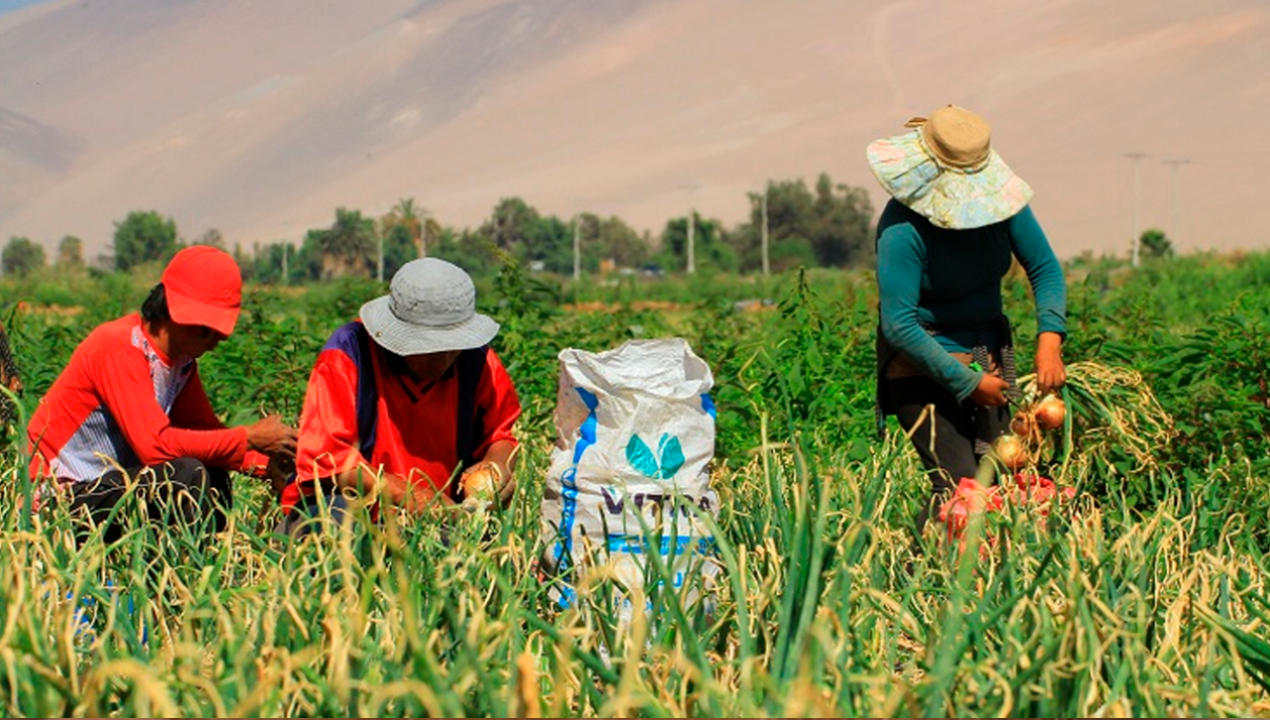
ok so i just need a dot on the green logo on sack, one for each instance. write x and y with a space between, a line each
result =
669 458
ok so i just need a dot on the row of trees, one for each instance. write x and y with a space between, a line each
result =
22 255
827 225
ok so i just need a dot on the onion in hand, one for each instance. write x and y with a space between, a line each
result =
481 482
1049 412
1023 424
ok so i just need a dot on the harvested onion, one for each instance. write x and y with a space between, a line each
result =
481 482
1023 424
1049 412
1011 450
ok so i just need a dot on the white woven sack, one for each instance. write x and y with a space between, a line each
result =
635 439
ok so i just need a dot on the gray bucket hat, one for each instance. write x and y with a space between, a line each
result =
430 307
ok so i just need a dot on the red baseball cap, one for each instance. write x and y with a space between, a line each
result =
204 286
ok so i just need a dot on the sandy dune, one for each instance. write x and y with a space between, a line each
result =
258 119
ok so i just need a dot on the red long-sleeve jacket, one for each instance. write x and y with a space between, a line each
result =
402 426
121 401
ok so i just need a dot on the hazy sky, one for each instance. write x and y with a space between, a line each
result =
7 5
109 106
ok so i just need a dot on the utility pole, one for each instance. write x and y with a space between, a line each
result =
1136 157
692 256
692 211
577 249
1173 165
766 266
285 274
379 272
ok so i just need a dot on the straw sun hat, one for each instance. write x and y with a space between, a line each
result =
430 307
946 170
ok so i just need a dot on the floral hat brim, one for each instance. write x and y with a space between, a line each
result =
949 197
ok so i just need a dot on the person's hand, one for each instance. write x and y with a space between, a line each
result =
991 391
417 497
503 491
273 437
411 497
1051 374
279 471
507 488
501 457
396 493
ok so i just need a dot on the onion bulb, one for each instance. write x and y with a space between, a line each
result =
481 482
1011 450
1023 424
1050 412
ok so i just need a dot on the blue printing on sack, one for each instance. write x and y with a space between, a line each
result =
568 480
570 494
87 610
707 404
636 545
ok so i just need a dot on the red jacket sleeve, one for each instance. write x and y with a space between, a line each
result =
123 379
328 422
193 410
497 398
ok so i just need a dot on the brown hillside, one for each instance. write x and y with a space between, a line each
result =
260 118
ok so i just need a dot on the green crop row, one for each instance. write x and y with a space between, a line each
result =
1146 596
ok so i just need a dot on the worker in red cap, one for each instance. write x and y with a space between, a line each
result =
129 410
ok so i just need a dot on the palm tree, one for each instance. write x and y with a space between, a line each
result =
348 246
431 229
418 222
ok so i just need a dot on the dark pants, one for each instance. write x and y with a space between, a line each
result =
313 513
180 492
945 440
310 512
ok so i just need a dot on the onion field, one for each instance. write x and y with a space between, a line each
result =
1146 595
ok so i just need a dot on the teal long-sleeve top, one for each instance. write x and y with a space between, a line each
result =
950 281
